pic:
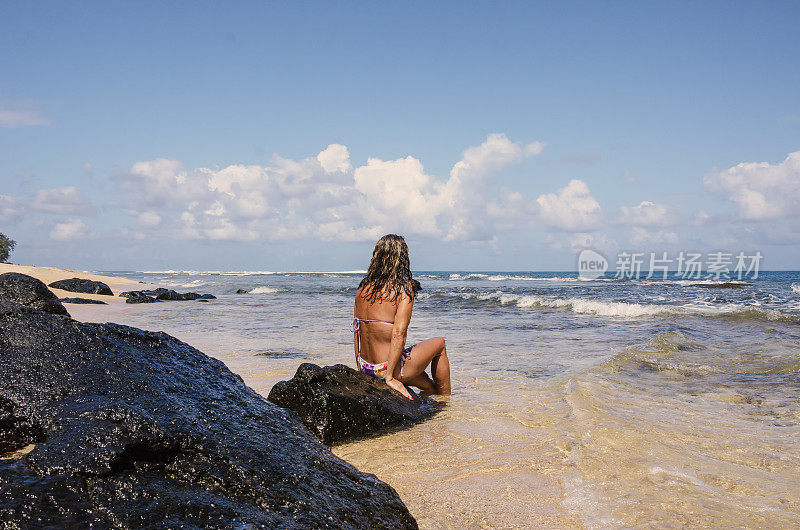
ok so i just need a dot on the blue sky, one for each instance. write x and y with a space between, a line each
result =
500 136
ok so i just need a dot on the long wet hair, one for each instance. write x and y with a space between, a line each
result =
389 272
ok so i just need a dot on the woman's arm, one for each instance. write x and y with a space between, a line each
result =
355 337
401 320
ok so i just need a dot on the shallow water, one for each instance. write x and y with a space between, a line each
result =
576 403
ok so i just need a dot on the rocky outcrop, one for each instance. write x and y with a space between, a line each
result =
80 285
140 299
242 291
722 285
30 292
81 301
338 403
134 429
167 295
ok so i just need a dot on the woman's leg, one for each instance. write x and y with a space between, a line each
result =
430 352
423 382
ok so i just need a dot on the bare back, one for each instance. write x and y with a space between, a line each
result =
376 337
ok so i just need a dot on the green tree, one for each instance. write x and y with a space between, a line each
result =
6 246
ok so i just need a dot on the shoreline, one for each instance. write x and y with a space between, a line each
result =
49 275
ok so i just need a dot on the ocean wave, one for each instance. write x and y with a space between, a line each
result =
674 351
796 288
187 285
517 277
264 289
628 310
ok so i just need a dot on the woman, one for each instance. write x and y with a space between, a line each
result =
382 313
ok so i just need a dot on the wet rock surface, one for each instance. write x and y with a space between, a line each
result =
136 429
167 295
338 403
81 301
140 299
30 292
80 285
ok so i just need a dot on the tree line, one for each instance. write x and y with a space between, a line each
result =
6 246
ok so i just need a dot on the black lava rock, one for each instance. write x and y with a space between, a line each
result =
242 291
338 403
79 285
135 429
81 301
167 295
30 292
141 299
723 285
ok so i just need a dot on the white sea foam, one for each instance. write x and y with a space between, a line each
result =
796 288
263 289
517 277
186 285
606 308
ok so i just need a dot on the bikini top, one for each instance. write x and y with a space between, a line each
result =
356 325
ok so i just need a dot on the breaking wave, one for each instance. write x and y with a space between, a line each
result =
627 310
264 290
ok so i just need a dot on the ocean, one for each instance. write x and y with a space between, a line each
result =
601 403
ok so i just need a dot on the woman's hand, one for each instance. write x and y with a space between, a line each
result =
397 385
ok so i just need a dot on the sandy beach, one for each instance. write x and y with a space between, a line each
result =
49 275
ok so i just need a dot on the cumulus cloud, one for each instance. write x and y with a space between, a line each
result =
324 196
572 209
70 229
335 158
20 117
65 201
646 214
463 195
760 190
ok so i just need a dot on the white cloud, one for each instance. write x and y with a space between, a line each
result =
234 178
326 197
573 209
700 218
10 209
15 118
65 201
335 158
495 152
71 229
582 240
463 196
761 190
579 241
149 219
646 214
640 236
398 193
